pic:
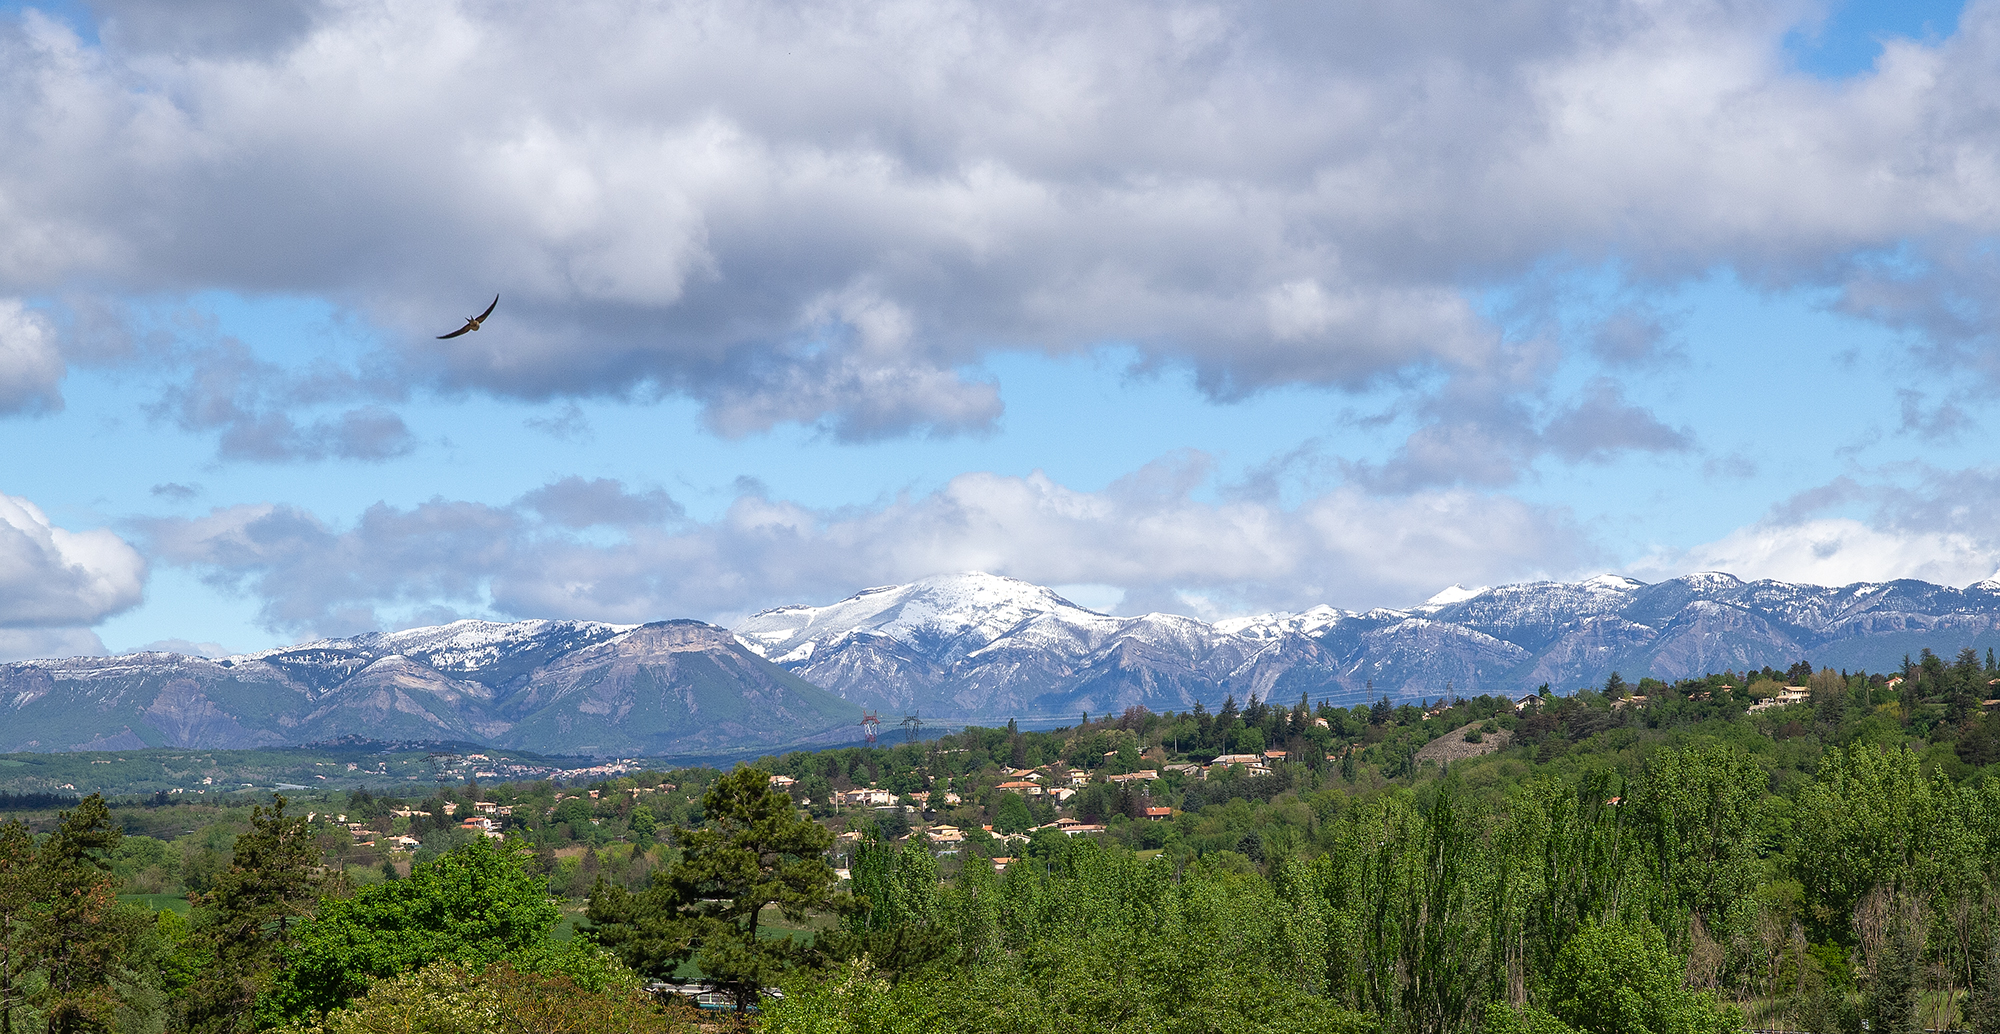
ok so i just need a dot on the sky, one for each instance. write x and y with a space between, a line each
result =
1208 308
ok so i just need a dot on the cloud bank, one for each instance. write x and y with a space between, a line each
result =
1917 522
829 214
1149 534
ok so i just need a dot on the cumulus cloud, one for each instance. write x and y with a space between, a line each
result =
1148 534
1633 335
1933 524
51 577
1839 551
314 577
1941 421
183 646
828 214
31 367
1602 424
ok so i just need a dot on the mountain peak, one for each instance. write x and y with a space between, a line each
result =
1449 595
969 609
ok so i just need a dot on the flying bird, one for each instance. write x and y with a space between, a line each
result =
473 322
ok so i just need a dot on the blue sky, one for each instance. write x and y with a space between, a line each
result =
1210 308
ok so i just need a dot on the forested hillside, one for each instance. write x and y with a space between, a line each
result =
1803 850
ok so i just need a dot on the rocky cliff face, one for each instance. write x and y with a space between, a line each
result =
553 686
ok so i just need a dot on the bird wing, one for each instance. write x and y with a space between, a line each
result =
489 310
457 332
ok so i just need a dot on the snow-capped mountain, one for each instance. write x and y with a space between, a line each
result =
958 648
559 687
981 647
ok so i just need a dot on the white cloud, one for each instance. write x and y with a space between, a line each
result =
1905 521
21 644
51 577
1833 551
1270 194
31 368
1147 537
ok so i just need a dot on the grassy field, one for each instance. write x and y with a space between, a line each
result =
156 902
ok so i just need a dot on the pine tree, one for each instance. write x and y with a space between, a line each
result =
75 940
246 918
1892 990
1982 1006
753 851
18 897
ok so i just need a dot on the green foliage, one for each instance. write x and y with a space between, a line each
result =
1982 1011
643 825
76 931
856 1001
19 898
245 922
1013 816
1701 811
1097 941
1616 978
1892 983
450 998
475 906
753 852
1500 1019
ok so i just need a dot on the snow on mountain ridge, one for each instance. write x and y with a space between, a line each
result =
466 637
1449 595
1271 626
972 610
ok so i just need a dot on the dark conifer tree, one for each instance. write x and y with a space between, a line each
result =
1892 985
246 919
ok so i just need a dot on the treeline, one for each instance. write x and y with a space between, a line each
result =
1685 858
280 940
1674 901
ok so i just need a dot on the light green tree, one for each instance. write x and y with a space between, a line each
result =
1619 978
474 906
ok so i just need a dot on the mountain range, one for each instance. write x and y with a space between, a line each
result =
956 649
975 647
554 687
